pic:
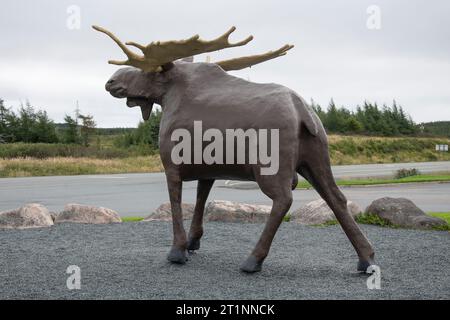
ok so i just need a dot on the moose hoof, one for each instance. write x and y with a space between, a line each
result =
363 265
177 256
251 265
193 244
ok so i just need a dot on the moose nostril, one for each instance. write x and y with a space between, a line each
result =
108 84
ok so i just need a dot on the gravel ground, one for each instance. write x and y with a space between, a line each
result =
128 261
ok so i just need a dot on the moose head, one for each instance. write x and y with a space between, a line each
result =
145 82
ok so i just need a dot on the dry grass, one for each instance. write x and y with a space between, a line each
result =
74 160
27 167
365 149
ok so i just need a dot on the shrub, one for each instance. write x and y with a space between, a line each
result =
369 218
403 173
52 150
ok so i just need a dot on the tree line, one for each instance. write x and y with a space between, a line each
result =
33 126
437 128
147 133
369 119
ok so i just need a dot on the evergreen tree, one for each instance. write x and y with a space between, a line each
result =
70 133
44 129
367 119
6 117
87 128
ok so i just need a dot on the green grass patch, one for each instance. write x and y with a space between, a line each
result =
443 215
373 219
377 181
132 219
368 218
442 228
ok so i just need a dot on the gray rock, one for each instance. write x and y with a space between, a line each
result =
227 211
318 212
78 213
403 212
31 215
164 212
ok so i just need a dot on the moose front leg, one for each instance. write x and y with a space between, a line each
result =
196 230
177 253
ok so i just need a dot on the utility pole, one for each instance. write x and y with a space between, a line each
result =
77 116
77 111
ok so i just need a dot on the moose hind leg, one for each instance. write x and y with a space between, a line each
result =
196 229
177 253
282 200
321 177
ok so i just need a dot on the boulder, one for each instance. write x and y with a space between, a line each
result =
31 215
78 213
164 212
227 211
403 212
318 212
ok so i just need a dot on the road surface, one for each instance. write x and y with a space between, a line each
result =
139 194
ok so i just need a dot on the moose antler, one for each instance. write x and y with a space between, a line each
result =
248 61
157 54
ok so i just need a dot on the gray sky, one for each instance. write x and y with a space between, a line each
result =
335 56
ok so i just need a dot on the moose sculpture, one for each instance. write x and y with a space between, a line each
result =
188 92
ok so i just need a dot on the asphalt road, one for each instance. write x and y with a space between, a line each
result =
139 194
128 261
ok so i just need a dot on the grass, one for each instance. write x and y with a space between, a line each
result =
105 157
378 181
29 167
363 218
372 219
54 166
132 219
443 215
367 218
365 149
100 150
376 220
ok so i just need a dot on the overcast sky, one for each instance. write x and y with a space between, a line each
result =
336 55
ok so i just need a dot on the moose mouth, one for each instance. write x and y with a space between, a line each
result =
119 92
132 101
145 104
